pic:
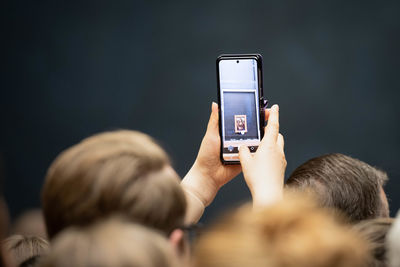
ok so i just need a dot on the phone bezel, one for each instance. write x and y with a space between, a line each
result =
258 58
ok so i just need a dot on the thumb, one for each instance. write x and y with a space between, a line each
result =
244 157
213 122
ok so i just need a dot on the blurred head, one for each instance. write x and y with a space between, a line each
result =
30 222
293 232
25 250
123 172
349 185
110 244
4 221
393 243
374 231
4 217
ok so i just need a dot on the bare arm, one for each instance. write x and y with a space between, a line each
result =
207 174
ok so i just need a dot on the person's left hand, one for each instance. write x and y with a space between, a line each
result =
208 174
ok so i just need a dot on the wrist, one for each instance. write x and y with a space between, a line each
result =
266 194
200 185
195 207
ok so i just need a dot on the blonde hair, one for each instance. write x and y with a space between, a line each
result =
21 248
293 232
123 172
112 243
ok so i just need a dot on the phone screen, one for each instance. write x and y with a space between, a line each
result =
239 106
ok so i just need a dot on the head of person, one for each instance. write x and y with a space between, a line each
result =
393 243
25 251
293 232
346 184
121 172
111 243
30 222
4 222
4 218
374 231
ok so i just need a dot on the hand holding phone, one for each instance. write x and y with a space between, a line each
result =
207 174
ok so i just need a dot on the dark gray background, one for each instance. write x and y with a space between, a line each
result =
72 69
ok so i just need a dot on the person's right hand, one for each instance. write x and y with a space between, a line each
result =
264 170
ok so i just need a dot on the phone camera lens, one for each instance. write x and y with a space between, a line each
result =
237 61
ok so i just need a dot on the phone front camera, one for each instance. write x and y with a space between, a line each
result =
237 61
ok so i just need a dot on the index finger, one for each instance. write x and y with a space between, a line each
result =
271 131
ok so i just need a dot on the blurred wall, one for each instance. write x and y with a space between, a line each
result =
72 69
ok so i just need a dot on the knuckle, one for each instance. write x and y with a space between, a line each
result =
284 160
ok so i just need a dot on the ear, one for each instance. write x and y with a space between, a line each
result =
176 240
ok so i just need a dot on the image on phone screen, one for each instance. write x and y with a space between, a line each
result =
239 94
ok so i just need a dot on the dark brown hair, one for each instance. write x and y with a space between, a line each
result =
123 172
349 185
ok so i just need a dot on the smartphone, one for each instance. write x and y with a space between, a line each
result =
241 103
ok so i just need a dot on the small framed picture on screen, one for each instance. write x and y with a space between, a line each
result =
240 124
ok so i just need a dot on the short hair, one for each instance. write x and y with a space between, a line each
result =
374 231
21 249
393 243
349 185
123 172
30 222
111 243
291 233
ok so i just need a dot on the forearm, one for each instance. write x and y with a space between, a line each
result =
200 192
195 208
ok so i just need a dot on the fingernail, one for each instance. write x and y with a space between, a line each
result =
275 107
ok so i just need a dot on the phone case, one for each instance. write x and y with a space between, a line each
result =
262 102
